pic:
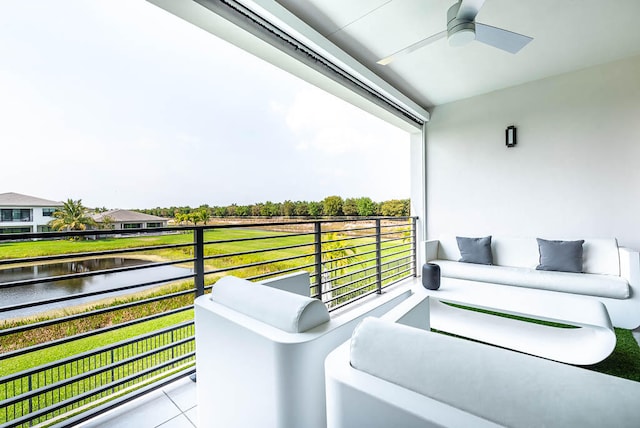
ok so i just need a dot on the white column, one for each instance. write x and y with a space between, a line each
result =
418 168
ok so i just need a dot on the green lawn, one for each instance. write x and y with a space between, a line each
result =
625 359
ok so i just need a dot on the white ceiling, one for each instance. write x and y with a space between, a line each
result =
568 35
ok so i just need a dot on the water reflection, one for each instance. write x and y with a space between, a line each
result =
66 287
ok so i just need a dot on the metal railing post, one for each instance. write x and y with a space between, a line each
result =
172 342
112 373
378 259
198 264
414 236
317 248
31 398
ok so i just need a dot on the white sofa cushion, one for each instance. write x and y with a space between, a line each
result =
577 283
600 256
516 252
502 386
281 309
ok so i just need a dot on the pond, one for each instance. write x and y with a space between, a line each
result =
102 282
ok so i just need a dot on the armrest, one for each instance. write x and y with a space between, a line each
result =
431 249
630 268
414 312
297 282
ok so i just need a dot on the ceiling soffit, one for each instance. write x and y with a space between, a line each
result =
568 35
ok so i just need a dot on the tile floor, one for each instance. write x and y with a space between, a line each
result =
173 406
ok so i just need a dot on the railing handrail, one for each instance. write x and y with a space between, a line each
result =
181 228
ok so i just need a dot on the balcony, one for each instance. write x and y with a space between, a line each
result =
93 322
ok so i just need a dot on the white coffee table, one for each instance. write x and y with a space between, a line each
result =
591 341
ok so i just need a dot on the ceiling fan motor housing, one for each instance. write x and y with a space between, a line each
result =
460 31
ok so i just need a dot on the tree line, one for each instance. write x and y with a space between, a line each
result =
331 206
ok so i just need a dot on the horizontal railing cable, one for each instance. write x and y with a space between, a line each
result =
351 291
95 391
93 312
91 273
387 261
92 233
398 266
94 352
119 401
91 254
352 300
90 373
349 284
267 250
280 272
259 238
397 280
40 346
262 263
94 293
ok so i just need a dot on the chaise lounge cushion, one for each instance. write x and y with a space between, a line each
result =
502 386
577 283
287 311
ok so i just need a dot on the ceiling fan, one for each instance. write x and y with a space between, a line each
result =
462 28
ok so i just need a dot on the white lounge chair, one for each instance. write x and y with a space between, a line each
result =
389 374
260 351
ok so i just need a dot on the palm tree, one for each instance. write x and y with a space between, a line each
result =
336 256
72 216
204 215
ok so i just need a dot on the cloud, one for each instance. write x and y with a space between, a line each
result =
146 109
324 123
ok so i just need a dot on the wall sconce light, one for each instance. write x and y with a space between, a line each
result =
510 136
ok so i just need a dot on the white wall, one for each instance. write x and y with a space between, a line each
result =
574 173
418 197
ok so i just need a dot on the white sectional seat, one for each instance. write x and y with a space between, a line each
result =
610 273
394 375
611 286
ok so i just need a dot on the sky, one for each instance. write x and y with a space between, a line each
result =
123 105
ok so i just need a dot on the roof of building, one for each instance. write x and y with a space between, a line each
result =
11 199
126 215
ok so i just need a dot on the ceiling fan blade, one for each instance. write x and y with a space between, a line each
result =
501 39
469 9
413 47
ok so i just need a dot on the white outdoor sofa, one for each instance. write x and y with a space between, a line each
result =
260 351
611 273
390 374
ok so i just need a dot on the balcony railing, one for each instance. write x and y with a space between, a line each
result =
89 322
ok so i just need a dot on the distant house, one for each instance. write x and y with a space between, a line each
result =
24 214
125 219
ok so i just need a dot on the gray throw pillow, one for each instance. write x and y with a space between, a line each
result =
563 256
475 250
